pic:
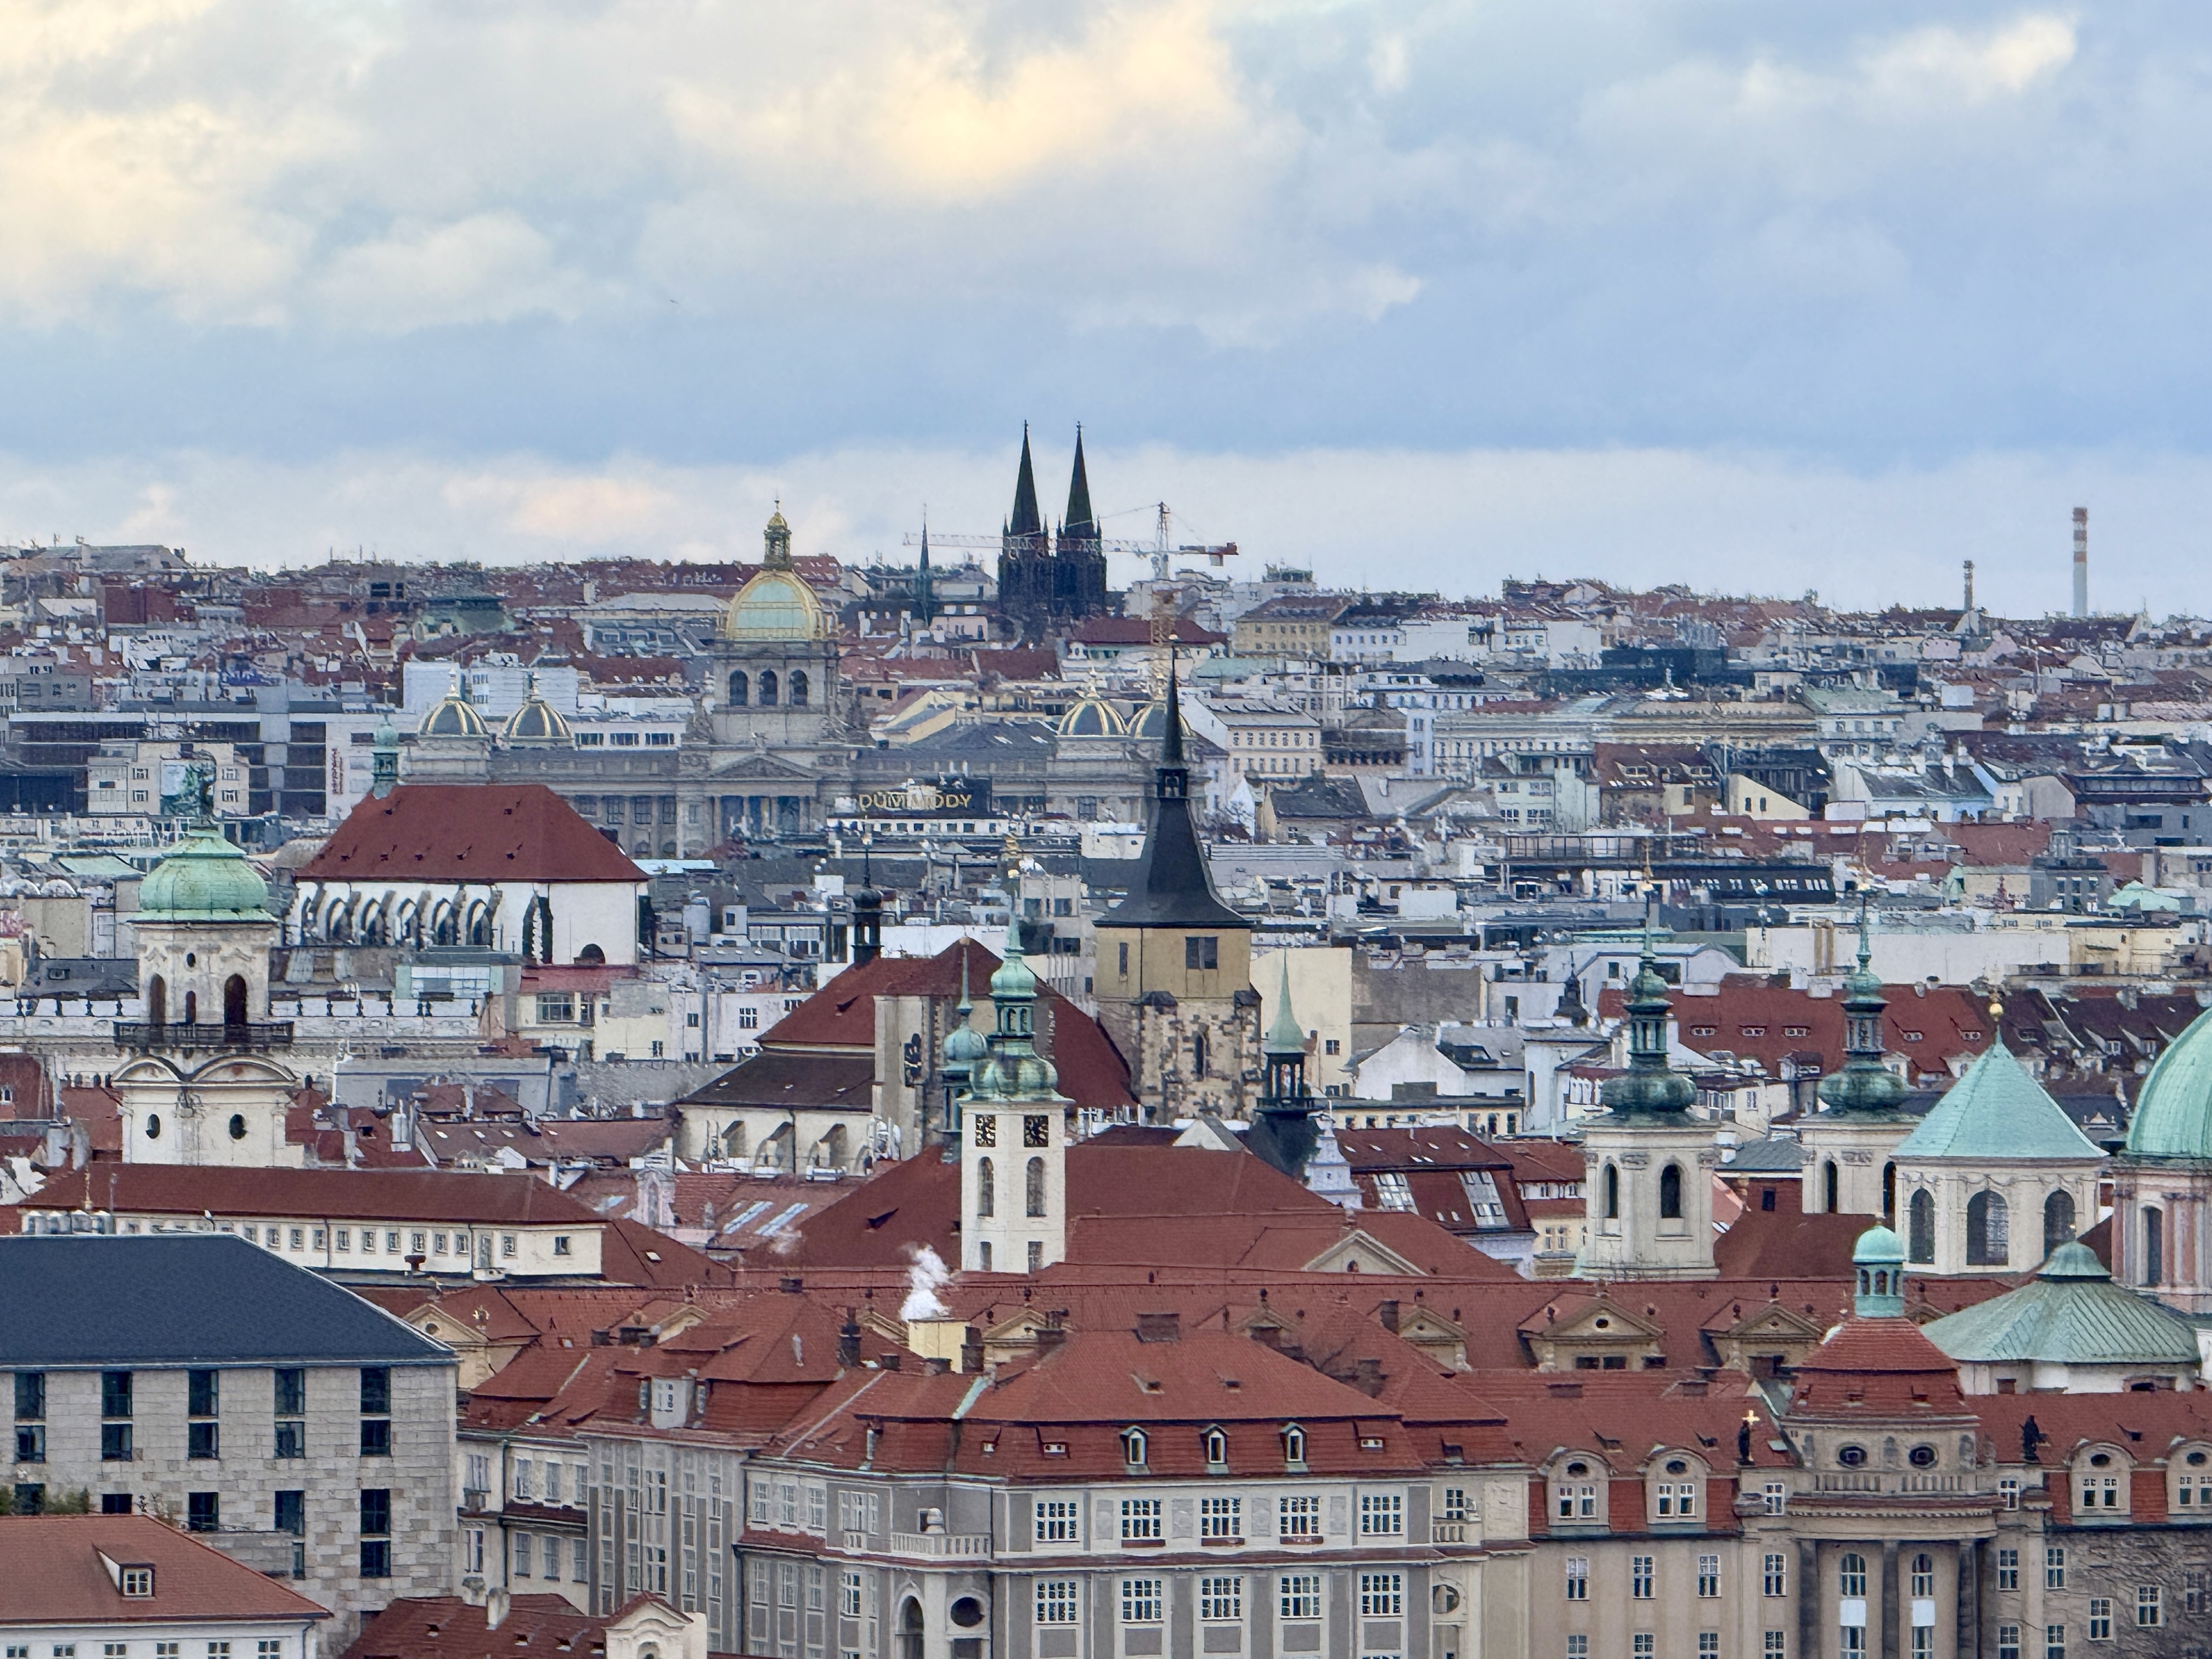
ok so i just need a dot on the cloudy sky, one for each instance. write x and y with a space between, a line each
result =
1425 292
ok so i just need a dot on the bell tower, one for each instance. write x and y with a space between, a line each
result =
1847 1144
1650 1165
1013 1143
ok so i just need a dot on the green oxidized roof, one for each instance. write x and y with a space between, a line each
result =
1285 1035
2173 1113
2069 1313
1878 1245
1996 1110
206 878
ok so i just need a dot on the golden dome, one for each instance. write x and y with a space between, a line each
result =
775 605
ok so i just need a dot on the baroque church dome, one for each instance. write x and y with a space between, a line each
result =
537 724
453 715
206 878
2173 1114
1091 718
776 605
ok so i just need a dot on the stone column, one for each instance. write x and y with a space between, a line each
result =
1971 1561
1889 1604
1808 1598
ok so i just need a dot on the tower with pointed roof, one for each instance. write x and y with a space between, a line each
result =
1080 559
1040 584
1849 1143
1283 1132
1995 1176
1173 980
2162 1178
1014 1131
1649 1187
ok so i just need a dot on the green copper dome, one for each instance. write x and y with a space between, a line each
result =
206 878
2173 1113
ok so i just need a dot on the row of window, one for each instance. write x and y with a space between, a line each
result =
202 1391
1297 1596
422 1243
263 1647
532 1557
1645 1644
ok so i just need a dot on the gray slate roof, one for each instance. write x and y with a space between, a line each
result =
210 1299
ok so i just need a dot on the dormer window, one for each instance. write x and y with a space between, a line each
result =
1674 1496
1294 1446
137 1582
1217 1449
1133 1448
1574 1491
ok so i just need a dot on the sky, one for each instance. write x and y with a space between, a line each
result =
1754 296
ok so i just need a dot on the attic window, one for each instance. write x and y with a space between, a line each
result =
1055 1449
137 1582
1371 1442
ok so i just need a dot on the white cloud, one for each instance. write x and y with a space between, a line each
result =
1456 522
490 268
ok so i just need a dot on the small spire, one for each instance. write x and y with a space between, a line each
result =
1171 739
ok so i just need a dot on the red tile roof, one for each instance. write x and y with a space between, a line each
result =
468 831
338 1194
446 1627
54 1576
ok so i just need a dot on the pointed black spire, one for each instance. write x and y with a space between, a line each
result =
1026 520
1081 522
1172 887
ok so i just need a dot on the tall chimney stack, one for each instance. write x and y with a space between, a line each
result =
1970 585
2080 561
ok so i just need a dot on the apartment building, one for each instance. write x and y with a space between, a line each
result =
198 1378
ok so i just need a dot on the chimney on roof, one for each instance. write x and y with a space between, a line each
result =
889 1359
496 1603
1369 1377
1388 1313
937 1364
1160 1328
848 1342
971 1351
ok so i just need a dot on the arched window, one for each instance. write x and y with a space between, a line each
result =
1851 1577
1033 1187
1612 1193
1294 1443
2057 1220
1889 1194
1920 1227
234 1000
157 1001
191 1007
767 688
1988 1242
798 698
1829 1194
2154 1241
910 1637
987 1194
1133 1448
1216 1447
1670 1193
1923 1575
1197 1053
740 690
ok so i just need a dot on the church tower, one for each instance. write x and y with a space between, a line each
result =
1847 1144
1079 561
201 1087
1650 1165
1025 557
1283 1133
1013 1157
1174 976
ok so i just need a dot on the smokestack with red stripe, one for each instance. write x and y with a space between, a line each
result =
2080 561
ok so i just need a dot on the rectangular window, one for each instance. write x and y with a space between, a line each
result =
1056 1601
1578 1647
291 1393
30 1396
1708 1575
1140 1601
1059 1520
201 1392
376 1532
200 1440
291 1439
1381 1594
1578 1578
2054 1567
2054 1642
1140 1520
1777 1645
376 1391
291 1514
2007 1642
1299 1594
203 1511
1644 1644
1298 1517
1220 1599
115 1443
1709 1645
2007 1570
1639 1576
115 1393
1381 1515
1201 955
1221 1517
522 1555
1776 1495
2100 1618
2150 1608
376 1437
1774 1578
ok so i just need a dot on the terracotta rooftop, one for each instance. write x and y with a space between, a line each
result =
56 1575
468 831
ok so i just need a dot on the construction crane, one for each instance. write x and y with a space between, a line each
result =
1158 550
